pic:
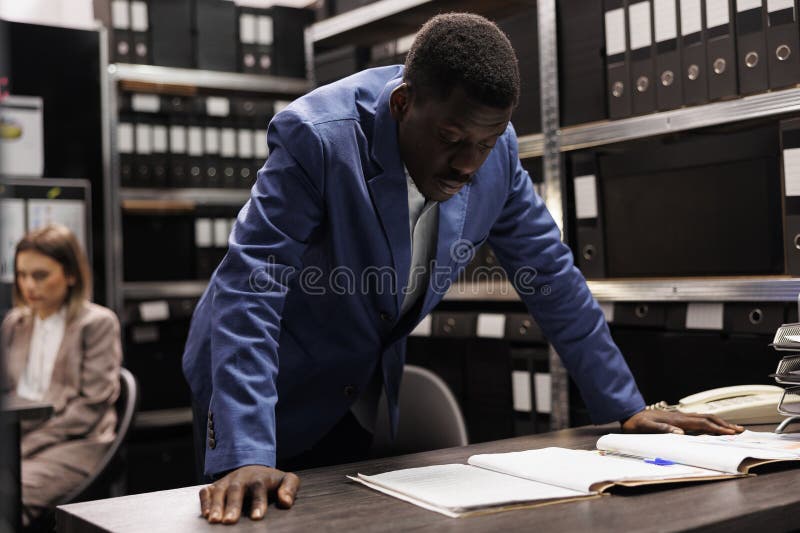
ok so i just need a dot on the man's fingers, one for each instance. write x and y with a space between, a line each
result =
258 495
217 502
287 491
233 503
205 501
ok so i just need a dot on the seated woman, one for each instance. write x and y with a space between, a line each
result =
59 348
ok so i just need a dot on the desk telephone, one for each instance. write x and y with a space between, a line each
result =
740 404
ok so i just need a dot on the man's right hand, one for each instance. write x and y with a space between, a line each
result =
222 501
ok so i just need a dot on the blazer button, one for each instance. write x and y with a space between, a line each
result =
350 391
212 443
210 433
386 317
210 424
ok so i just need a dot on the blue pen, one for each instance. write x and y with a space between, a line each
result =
659 461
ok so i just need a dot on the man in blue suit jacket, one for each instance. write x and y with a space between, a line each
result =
300 324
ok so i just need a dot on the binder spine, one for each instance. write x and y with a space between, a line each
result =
617 60
668 79
752 46
720 49
693 49
783 43
790 149
590 250
640 31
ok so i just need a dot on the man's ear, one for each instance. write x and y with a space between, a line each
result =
399 101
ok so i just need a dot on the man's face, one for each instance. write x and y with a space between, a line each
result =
444 142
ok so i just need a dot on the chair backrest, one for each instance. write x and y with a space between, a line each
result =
430 417
126 406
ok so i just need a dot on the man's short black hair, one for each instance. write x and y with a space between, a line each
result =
462 49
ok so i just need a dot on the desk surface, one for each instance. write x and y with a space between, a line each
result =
328 501
21 409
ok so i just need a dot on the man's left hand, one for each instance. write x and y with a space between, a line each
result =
655 421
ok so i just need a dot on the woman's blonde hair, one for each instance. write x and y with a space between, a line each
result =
58 243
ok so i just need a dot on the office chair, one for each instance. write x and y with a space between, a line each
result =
102 483
430 417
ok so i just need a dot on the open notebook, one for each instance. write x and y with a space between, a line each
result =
495 482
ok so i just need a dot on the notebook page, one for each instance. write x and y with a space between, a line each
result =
688 450
580 469
459 487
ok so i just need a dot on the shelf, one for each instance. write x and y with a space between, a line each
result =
531 145
495 291
387 19
749 107
143 290
161 418
660 290
234 197
168 79
688 290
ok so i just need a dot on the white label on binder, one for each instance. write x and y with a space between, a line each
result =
228 142
247 29
778 5
704 316
177 140
125 144
717 13
221 230
791 171
265 33
260 148
521 390
491 325
424 328
218 106
145 103
153 311
245 144
195 140
544 394
608 310
666 20
585 197
615 32
144 138
639 23
211 140
745 5
120 15
203 236
160 143
691 17
280 105
139 16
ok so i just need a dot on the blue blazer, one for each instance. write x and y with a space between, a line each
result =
304 307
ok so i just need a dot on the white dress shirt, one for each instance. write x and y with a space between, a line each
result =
45 343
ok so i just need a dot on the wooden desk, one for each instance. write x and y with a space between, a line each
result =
12 410
327 501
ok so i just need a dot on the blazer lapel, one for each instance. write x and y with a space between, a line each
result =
388 189
20 349
61 366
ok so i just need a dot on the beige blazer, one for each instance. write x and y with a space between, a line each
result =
83 388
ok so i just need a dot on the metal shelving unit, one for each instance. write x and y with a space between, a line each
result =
156 79
146 290
687 118
386 19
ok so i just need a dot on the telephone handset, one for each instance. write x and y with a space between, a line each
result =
740 404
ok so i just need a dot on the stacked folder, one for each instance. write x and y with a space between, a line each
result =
206 34
176 141
664 54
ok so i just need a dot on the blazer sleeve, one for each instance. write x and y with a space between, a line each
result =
528 244
101 360
5 347
264 256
